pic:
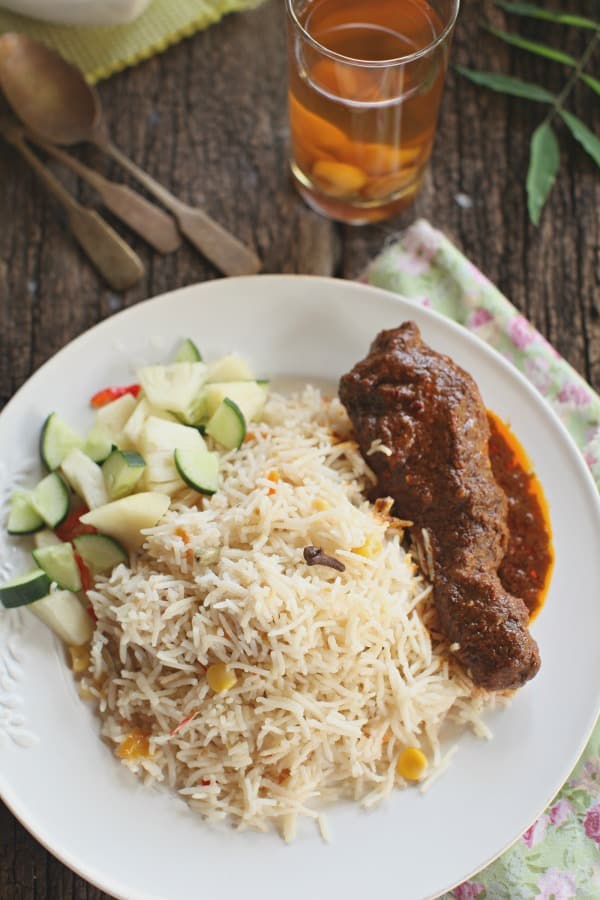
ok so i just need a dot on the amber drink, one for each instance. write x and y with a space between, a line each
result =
365 83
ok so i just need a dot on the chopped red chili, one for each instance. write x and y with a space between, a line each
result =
107 395
71 527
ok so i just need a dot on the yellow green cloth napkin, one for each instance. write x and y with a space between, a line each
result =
101 51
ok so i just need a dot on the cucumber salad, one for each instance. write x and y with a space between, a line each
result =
88 513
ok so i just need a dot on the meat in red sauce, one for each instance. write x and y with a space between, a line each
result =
429 414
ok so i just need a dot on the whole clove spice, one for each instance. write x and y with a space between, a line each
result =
314 556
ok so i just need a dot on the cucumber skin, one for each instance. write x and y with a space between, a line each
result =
24 594
187 352
43 434
228 408
84 542
118 464
191 483
17 532
43 558
67 497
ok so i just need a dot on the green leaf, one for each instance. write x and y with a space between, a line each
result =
592 83
516 40
581 133
506 84
544 160
529 9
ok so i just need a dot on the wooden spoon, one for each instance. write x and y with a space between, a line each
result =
54 100
149 221
118 264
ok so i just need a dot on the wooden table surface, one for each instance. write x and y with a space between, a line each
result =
208 119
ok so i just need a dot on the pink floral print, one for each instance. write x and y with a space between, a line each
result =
478 318
574 392
560 813
537 369
591 823
470 890
536 832
589 777
521 332
556 885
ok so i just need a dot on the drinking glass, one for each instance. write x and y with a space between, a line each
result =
365 83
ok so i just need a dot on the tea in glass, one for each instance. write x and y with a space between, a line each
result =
365 83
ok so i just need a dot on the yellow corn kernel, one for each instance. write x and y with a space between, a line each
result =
135 746
371 548
274 476
411 764
220 678
338 179
80 659
321 505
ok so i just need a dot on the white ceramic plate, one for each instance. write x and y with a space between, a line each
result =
66 787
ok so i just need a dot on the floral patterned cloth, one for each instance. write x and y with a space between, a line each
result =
559 856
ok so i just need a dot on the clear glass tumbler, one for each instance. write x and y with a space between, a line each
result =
365 83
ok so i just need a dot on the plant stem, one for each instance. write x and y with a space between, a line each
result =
577 71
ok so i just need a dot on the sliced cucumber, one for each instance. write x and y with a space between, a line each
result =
24 589
187 352
60 565
113 417
247 395
121 472
63 613
50 498
85 477
23 518
158 442
46 538
227 426
199 470
99 444
229 368
100 552
124 519
174 387
56 439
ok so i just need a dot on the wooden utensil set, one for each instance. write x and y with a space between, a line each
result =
67 112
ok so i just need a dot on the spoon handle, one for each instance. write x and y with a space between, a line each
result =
218 245
151 223
118 264
114 259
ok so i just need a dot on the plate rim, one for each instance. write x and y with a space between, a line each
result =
10 798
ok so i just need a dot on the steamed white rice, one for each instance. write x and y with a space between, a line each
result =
337 673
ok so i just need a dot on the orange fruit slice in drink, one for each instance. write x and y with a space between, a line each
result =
345 81
338 179
383 159
388 185
317 135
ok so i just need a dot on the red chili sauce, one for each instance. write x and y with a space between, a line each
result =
527 567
